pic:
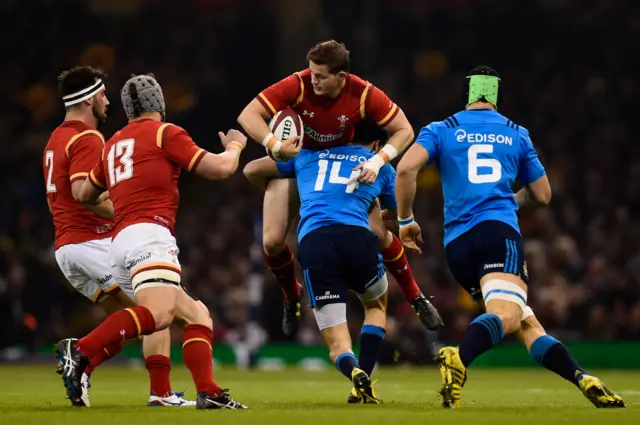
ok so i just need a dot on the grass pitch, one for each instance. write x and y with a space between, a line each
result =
35 395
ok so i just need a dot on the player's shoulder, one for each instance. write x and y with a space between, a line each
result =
304 74
357 86
67 134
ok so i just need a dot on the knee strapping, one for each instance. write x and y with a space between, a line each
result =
497 289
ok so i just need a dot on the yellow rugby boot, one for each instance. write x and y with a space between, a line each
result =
598 393
454 375
363 385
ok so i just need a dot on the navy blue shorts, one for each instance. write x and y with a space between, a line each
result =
336 259
489 247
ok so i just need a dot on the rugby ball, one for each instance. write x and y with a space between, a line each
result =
284 125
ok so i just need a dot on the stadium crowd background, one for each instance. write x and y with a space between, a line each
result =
567 76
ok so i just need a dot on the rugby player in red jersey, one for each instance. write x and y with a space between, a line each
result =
140 168
83 232
330 101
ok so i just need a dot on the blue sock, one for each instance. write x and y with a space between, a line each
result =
483 333
346 362
553 355
370 339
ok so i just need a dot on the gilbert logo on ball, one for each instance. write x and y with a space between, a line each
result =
284 125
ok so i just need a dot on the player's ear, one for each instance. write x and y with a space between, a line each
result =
342 75
376 146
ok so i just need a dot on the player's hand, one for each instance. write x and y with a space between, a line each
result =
290 147
103 197
410 236
368 174
233 136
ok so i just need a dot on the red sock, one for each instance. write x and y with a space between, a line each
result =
284 269
396 262
198 357
159 368
118 327
103 355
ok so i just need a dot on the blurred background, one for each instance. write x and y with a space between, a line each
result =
568 76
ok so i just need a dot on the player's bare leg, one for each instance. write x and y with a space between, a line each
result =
553 355
505 297
281 205
338 341
371 337
396 263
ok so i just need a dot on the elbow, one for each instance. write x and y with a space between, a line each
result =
544 198
410 136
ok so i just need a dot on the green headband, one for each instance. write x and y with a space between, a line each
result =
483 86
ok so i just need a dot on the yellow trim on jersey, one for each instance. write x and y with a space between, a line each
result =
301 96
264 98
95 181
77 175
79 135
363 99
195 157
135 319
96 295
196 340
160 132
384 121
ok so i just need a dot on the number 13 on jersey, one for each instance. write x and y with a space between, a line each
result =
123 169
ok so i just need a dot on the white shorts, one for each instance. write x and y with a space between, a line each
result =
86 267
145 255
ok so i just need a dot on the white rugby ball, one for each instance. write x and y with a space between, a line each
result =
284 125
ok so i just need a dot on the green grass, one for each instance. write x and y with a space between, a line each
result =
34 395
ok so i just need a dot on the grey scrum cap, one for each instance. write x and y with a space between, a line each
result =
142 93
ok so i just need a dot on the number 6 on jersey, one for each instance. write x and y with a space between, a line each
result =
122 151
475 163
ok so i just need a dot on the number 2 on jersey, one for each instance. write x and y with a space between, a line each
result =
49 163
334 177
475 163
123 170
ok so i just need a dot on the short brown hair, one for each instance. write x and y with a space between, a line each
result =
331 53
78 78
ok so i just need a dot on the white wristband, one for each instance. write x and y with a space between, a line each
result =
391 152
267 139
405 221
276 147
375 163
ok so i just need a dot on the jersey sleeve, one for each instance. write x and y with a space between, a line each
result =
84 153
377 105
284 93
287 169
531 168
428 139
97 176
179 146
388 195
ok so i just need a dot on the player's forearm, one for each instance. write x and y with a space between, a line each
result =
219 166
405 192
526 199
401 139
253 121
102 210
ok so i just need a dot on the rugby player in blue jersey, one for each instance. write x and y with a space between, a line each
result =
338 251
480 153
